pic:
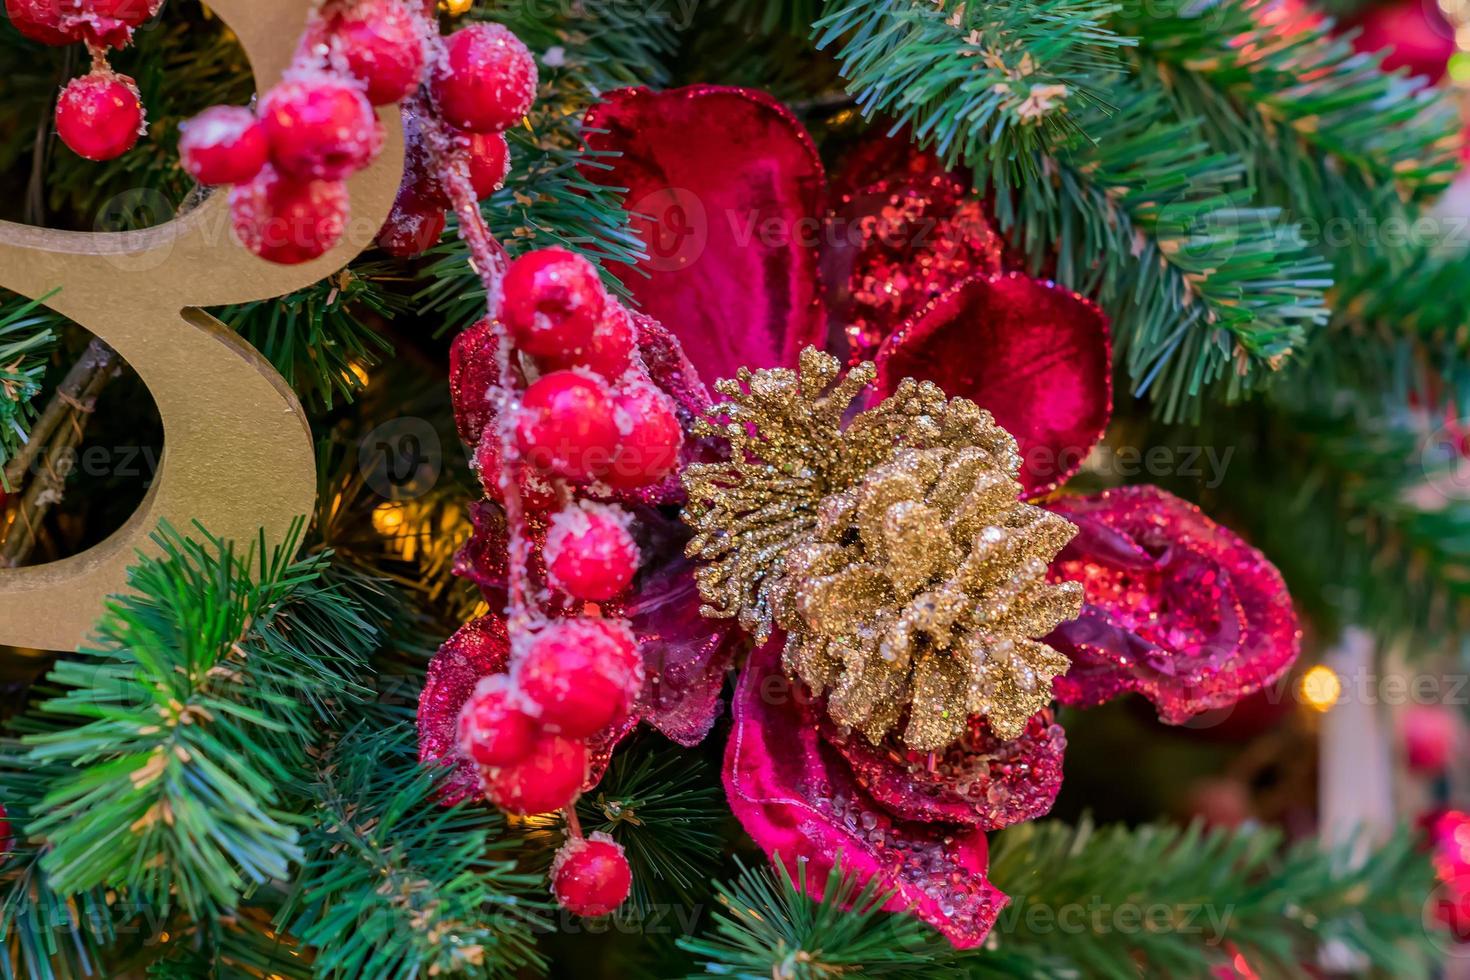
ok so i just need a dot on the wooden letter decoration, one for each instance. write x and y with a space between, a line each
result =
238 455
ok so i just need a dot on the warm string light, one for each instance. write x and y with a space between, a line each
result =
1320 688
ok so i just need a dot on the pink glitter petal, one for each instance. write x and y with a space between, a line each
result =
725 188
979 781
1037 356
1179 609
478 649
893 247
797 798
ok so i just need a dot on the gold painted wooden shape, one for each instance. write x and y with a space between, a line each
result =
238 454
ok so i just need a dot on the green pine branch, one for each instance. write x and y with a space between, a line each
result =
1172 901
201 690
394 885
28 335
766 926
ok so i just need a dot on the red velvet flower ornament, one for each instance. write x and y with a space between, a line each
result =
729 198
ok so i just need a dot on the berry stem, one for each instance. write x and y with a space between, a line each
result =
574 825
450 159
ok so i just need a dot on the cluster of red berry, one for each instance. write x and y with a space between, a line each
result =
591 426
99 115
288 160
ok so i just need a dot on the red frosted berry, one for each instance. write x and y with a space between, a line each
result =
105 23
583 675
383 46
590 876
649 436
486 79
7 840
413 226
319 127
39 20
223 145
489 162
589 553
288 221
537 492
610 350
553 300
1429 733
547 779
100 115
566 425
492 729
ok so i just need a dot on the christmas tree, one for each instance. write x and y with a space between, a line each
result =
801 489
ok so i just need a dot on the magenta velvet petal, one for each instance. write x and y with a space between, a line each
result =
725 188
477 649
1179 609
685 655
1037 356
979 781
797 798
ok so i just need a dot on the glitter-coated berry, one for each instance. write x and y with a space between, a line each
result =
100 116
489 162
413 226
591 876
223 145
320 128
553 301
493 730
383 46
547 779
1429 733
288 221
566 425
589 553
583 675
649 436
39 20
486 80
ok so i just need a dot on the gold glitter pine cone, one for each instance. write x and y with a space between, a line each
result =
893 550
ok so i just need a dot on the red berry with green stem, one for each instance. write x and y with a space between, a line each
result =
582 674
225 144
486 79
590 876
566 425
589 553
100 116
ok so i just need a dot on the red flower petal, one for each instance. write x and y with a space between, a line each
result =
1038 357
798 799
478 649
1179 609
979 781
725 188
